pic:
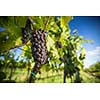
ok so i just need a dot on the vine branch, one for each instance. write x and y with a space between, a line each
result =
17 46
24 50
46 23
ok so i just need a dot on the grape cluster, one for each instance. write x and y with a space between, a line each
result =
26 31
24 36
39 49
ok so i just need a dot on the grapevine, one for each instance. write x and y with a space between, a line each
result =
38 47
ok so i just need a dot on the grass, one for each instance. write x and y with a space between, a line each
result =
21 76
88 78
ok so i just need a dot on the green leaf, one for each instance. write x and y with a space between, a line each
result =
13 27
65 20
38 22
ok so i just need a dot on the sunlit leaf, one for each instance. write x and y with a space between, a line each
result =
65 20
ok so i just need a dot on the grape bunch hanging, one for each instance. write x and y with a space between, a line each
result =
39 49
38 46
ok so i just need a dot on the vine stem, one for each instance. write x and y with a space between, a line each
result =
31 20
46 23
17 46
24 50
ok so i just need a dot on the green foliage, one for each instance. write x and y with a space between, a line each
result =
10 37
68 51
65 20
61 45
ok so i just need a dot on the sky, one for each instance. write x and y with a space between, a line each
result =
89 27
